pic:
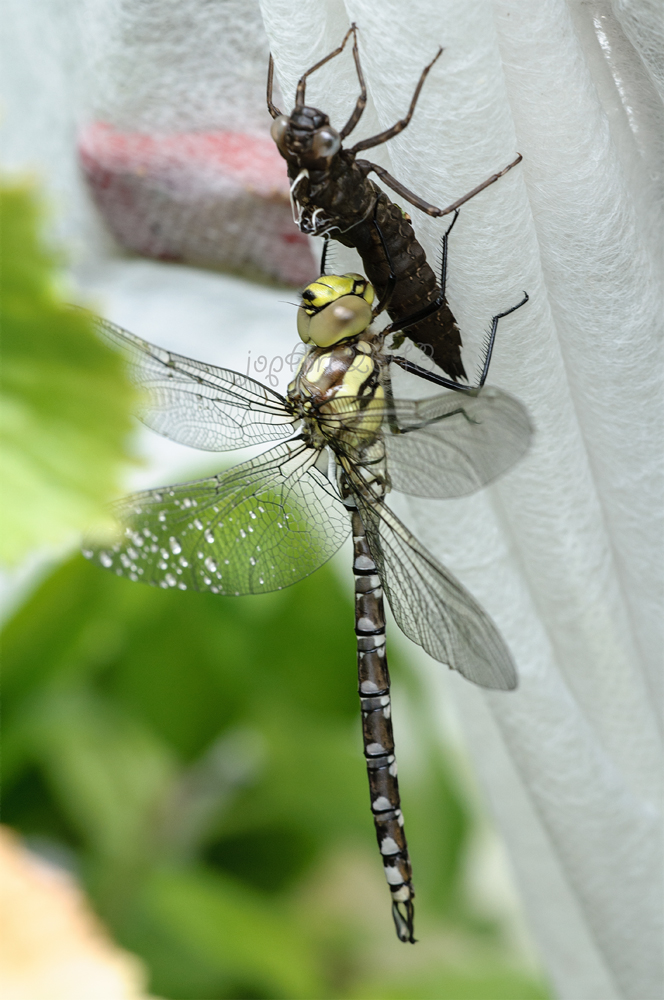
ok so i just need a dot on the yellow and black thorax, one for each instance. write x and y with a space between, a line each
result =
337 388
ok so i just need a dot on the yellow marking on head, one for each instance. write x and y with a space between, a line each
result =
330 287
334 307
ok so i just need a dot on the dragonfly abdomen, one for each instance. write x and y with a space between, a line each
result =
374 691
416 287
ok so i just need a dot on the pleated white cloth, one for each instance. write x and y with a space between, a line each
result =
566 551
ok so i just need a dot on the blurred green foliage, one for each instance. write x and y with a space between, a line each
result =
198 761
64 399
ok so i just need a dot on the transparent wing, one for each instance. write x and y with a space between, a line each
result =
445 446
196 404
431 606
258 527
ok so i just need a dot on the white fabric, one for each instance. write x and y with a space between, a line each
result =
565 552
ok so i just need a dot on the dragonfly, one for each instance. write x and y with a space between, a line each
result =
340 442
333 197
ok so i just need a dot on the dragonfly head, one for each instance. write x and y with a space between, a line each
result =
305 138
334 307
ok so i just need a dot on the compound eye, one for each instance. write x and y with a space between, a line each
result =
326 142
346 317
278 130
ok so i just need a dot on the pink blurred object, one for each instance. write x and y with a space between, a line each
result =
219 199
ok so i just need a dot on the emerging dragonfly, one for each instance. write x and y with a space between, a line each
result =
265 524
333 197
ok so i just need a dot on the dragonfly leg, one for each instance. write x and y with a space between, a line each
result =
374 690
271 107
443 255
491 338
362 99
414 369
410 366
426 206
302 82
377 140
392 278
392 421
323 256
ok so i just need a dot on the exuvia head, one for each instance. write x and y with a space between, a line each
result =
306 137
334 308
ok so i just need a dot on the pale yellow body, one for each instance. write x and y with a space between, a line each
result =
337 388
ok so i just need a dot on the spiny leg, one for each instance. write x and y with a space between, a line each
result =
323 256
426 206
443 259
377 140
374 690
491 339
409 366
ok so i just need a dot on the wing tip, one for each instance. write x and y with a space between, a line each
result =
503 678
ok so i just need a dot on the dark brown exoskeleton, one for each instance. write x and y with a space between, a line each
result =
335 198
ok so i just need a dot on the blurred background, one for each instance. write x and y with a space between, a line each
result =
184 796
193 763
187 768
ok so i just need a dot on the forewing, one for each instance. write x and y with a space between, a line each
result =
199 405
258 527
431 606
453 444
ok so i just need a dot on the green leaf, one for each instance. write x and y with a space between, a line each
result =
249 938
202 757
458 984
64 399
108 770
